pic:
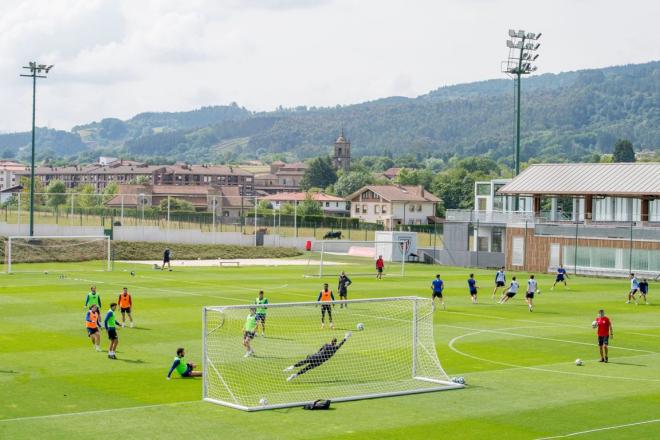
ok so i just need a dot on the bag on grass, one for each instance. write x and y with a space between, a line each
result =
318 404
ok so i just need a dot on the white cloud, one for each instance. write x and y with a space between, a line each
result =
118 58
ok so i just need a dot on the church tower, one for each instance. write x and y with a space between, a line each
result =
342 157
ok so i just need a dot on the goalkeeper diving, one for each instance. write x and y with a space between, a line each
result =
319 358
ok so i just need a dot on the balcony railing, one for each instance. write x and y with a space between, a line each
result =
466 215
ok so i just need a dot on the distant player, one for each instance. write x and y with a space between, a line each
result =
472 288
110 325
92 299
93 324
562 276
500 281
511 291
344 282
437 286
380 265
166 259
261 312
532 288
326 298
249 330
644 290
634 287
125 302
185 369
318 358
604 331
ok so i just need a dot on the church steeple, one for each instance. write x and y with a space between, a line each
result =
342 156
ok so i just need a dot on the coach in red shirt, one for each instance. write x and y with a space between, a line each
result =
605 332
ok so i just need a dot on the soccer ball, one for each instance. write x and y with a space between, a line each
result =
578 362
360 326
132 273
461 380
263 401
538 291
594 324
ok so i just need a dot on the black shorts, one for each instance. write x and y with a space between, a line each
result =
436 295
166 260
511 294
188 371
91 331
112 334
379 269
125 309
529 295
633 291
248 335
603 340
326 308
260 317
473 292
343 294
499 283
559 278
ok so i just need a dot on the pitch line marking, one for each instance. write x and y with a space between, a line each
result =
607 428
99 411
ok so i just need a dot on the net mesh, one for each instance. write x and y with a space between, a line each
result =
29 254
326 254
394 353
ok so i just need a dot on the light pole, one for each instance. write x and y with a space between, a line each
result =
521 46
36 71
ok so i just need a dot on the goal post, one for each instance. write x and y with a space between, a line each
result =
320 260
394 353
34 253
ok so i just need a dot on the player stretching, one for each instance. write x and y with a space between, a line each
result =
166 259
472 287
261 312
344 282
380 265
531 290
511 292
604 332
92 299
643 290
318 358
500 281
93 324
562 276
634 287
249 330
185 369
125 304
437 286
327 298
110 325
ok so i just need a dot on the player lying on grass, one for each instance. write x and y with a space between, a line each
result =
185 369
318 358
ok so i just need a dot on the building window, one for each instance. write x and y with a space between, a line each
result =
327 204
384 209
482 244
364 209
518 254
496 241
483 189
357 208
419 208
412 208
376 209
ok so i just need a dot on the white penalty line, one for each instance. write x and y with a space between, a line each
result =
99 411
607 428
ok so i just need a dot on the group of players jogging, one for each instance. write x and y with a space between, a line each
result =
93 324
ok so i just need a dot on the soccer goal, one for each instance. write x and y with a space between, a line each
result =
320 261
38 253
393 353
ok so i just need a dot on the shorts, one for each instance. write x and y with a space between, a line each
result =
529 295
260 317
473 292
603 340
559 278
125 309
187 372
436 295
248 335
112 334
379 269
511 294
633 291
326 308
166 260
343 294
499 283
91 331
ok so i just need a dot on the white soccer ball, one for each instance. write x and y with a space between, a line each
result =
461 380
360 326
538 291
578 362
594 324
263 401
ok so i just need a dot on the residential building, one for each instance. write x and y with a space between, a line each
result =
331 205
10 173
393 205
289 175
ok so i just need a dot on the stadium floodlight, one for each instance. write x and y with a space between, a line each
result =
390 352
35 72
520 47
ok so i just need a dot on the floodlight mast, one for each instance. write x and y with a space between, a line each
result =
36 71
521 45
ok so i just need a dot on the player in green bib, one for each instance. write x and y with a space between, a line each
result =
261 312
185 369
93 299
249 330
110 324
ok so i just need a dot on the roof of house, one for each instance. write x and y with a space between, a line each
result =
604 179
132 168
398 193
226 196
300 196
391 173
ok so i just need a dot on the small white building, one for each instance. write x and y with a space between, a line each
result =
8 174
392 205
330 204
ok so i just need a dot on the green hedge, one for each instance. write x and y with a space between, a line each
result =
129 250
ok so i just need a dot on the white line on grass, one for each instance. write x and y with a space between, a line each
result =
607 428
99 411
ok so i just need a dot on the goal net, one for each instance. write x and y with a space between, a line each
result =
40 253
333 256
393 354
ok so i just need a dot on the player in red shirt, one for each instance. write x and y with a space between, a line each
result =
604 330
380 265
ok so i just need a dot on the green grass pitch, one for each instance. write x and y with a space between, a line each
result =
519 366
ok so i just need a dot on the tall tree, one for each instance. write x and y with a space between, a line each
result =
623 151
320 174
309 206
56 193
350 182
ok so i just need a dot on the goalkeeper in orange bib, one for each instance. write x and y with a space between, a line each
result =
314 360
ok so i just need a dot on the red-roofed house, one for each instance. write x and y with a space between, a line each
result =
330 204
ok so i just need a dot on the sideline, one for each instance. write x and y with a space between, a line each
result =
607 428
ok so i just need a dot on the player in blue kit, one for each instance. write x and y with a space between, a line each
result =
562 276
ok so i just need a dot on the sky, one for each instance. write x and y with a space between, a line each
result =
119 58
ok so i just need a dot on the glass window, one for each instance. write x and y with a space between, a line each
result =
376 209
411 208
518 255
482 244
384 209
419 208
483 189
364 209
357 208
496 241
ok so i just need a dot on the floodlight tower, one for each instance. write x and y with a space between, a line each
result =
36 71
522 47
